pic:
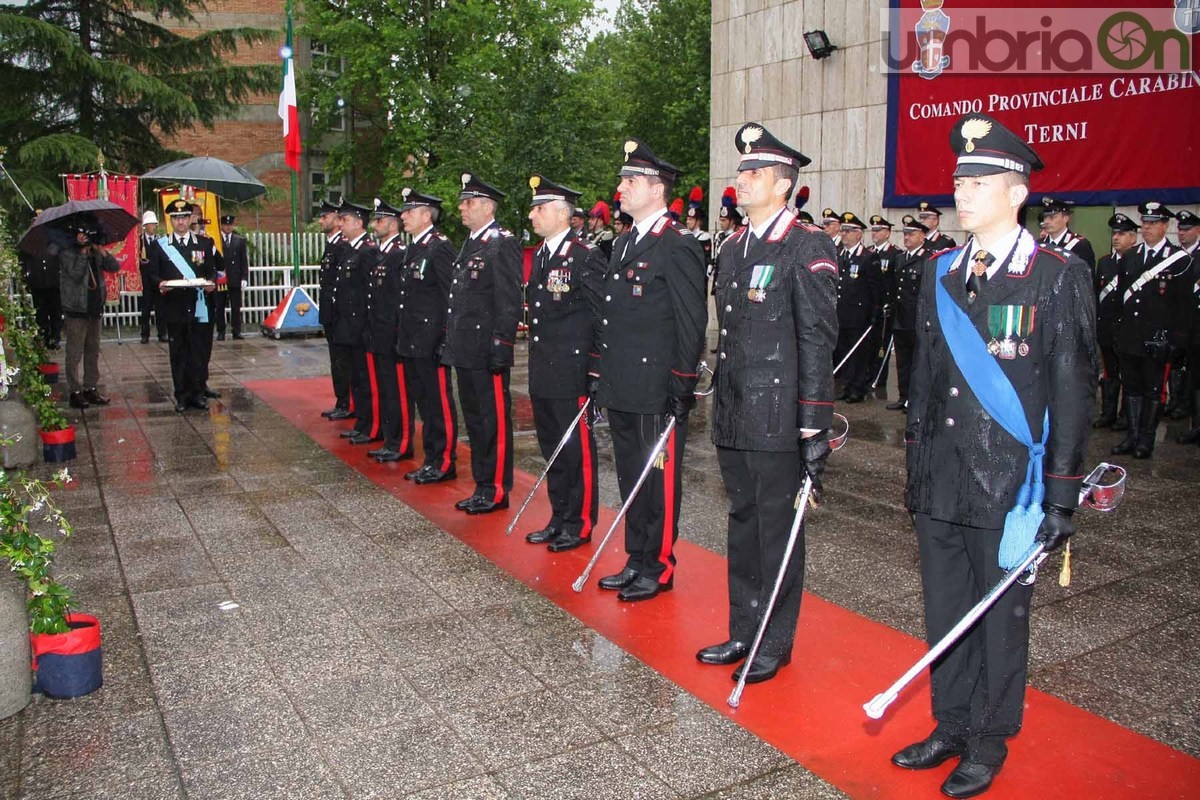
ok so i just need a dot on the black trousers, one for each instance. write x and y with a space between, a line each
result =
186 349
878 354
47 307
652 522
853 374
906 345
232 299
431 389
571 481
979 683
1142 375
762 489
365 391
395 402
341 367
203 336
146 306
1110 361
487 409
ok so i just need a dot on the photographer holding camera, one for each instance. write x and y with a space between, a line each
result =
81 284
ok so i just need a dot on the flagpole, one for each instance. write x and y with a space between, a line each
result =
295 214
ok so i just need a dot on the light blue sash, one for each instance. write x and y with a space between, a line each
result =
185 269
996 394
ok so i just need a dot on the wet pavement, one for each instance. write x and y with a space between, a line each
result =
370 654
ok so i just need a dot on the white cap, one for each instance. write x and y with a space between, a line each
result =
149 218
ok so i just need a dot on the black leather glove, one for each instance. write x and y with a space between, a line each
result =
680 405
1057 526
592 387
814 452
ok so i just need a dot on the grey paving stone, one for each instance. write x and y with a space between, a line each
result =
484 788
629 698
155 564
790 783
214 732
434 638
163 787
358 700
320 654
598 772
296 773
458 683
215 677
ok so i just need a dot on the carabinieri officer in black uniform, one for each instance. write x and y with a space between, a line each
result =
1109 272
339 357
860 306
777 307
481 324
1024 317
348 323
650 334
910 270
424 293
395 406
562 298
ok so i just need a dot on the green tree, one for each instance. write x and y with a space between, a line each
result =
82 76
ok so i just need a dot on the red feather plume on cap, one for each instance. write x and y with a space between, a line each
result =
601 210
696 195
677 208
729 196
617 204
802 197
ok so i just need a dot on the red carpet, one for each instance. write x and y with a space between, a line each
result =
812 710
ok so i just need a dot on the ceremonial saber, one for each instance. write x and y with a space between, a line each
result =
561 444
846 357
883 367
1030 563
735 697
658 448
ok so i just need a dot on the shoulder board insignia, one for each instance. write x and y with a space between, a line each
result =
804 226
505 233
566 246
781 226
489 234
1057 252
661 225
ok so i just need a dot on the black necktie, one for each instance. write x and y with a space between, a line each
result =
978 277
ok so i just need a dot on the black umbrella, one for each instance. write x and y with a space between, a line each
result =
53 225
212 174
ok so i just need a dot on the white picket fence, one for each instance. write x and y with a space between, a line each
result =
270 278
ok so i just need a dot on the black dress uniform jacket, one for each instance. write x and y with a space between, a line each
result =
1155 296
485 302
237 262
773 369
348 312
889 258
938 243
860 288
424 288
326 275
383 298
1109 274
652 318
179 305
910 270
563 302
946 422
1074 243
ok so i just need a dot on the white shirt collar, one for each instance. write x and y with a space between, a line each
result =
640 229
333 237
477 233
1157 248
358 239
388 241
1000 250
552 244
422 234
762 231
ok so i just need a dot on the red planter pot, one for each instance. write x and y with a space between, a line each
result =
68 664
49 372
58 445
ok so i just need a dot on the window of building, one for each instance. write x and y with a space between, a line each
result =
323 188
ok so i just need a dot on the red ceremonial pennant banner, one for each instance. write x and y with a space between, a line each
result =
1107 93
122 190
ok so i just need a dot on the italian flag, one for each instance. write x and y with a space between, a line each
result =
288 112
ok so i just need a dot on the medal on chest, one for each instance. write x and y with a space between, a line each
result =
760 278
1009 327
559 282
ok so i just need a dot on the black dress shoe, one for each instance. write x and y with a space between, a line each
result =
238 336
642 588
407 455
462 505
899 405
164 339
341 413
969 778
485 506
180 408
763 669
362 438
421 470
78 400
378 451
620 580
95 398
927 753
387 456
330 412
198 402
214 394
567 541
543 536
432 475
854 398
220 337
350 433
145 340
729 652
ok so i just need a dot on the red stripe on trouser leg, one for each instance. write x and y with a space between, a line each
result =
404 423
442 373
585 436
668 529
374 386
1162 395
501 434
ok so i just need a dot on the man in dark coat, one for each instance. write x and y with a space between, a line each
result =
424 295
931 217
42 280
184 255
563 288
889 255
1034 308
348 319
81 267
1156 298
1189 241
860 306
1057 231
481 326
392 395
773 398
236 261
339 357
910 270
649 337
149 299
1109 273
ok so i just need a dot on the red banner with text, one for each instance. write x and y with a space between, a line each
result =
122 190
1108 94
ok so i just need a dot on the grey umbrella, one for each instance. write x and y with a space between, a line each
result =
52 226
212 174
